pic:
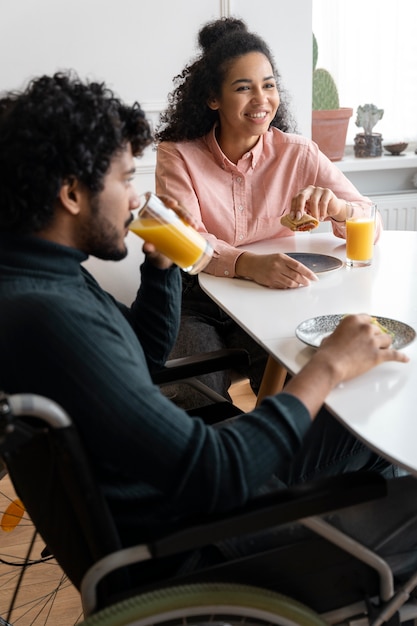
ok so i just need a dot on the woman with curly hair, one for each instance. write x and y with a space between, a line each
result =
227 149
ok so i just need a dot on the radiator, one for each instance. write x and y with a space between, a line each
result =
398 211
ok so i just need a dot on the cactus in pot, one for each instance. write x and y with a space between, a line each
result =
329 120
325 94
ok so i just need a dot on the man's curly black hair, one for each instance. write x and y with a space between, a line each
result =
188 115
57 130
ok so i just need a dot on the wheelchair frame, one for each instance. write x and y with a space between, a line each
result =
303 504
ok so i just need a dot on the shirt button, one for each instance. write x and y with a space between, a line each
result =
226 272
240 237
238 179
240 207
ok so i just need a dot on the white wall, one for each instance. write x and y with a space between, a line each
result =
120 278
137 47
134 45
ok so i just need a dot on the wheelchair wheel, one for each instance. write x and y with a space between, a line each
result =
44 589
211 604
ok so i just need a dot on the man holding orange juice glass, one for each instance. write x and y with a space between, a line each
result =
67 152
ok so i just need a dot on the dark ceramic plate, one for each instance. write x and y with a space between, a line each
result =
317 263
313 331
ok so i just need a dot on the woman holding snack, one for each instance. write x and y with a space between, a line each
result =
227 150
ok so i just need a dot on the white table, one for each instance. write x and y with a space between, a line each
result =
379 407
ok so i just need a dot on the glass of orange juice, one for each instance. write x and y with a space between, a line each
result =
360 232
180 242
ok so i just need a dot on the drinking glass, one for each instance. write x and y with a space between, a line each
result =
180 242
360 232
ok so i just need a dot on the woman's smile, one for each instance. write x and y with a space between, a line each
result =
257 117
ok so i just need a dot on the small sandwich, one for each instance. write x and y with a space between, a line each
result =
382 328
306 222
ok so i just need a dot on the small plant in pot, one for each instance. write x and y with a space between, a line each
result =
368 144
329 120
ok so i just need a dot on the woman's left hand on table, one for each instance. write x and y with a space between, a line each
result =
277 271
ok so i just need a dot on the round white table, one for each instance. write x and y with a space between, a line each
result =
379 406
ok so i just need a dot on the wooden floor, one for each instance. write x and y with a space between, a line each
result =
42 579
243 396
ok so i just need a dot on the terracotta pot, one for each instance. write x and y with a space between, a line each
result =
329 130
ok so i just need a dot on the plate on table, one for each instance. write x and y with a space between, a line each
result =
317 263
314 330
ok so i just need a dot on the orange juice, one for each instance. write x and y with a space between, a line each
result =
177 240
359 238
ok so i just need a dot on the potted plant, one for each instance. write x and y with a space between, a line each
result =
329 120
368 144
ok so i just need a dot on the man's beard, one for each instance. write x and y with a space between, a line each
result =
100 237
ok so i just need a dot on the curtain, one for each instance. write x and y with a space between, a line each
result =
370 48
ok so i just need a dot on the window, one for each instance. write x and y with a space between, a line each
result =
370 48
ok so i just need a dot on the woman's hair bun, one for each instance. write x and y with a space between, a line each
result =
213 31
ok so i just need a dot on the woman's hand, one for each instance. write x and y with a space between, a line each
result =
277 271
319 202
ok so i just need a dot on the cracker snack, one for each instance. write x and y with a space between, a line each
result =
306 222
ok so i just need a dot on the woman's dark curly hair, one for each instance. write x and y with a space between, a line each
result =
57 130
188 116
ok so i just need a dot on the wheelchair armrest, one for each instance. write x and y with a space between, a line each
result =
203 363
289 505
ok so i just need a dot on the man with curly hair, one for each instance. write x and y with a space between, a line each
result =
67 153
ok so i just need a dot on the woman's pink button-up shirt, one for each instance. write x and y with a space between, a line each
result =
243 203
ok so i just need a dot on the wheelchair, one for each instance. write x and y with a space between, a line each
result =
316 574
